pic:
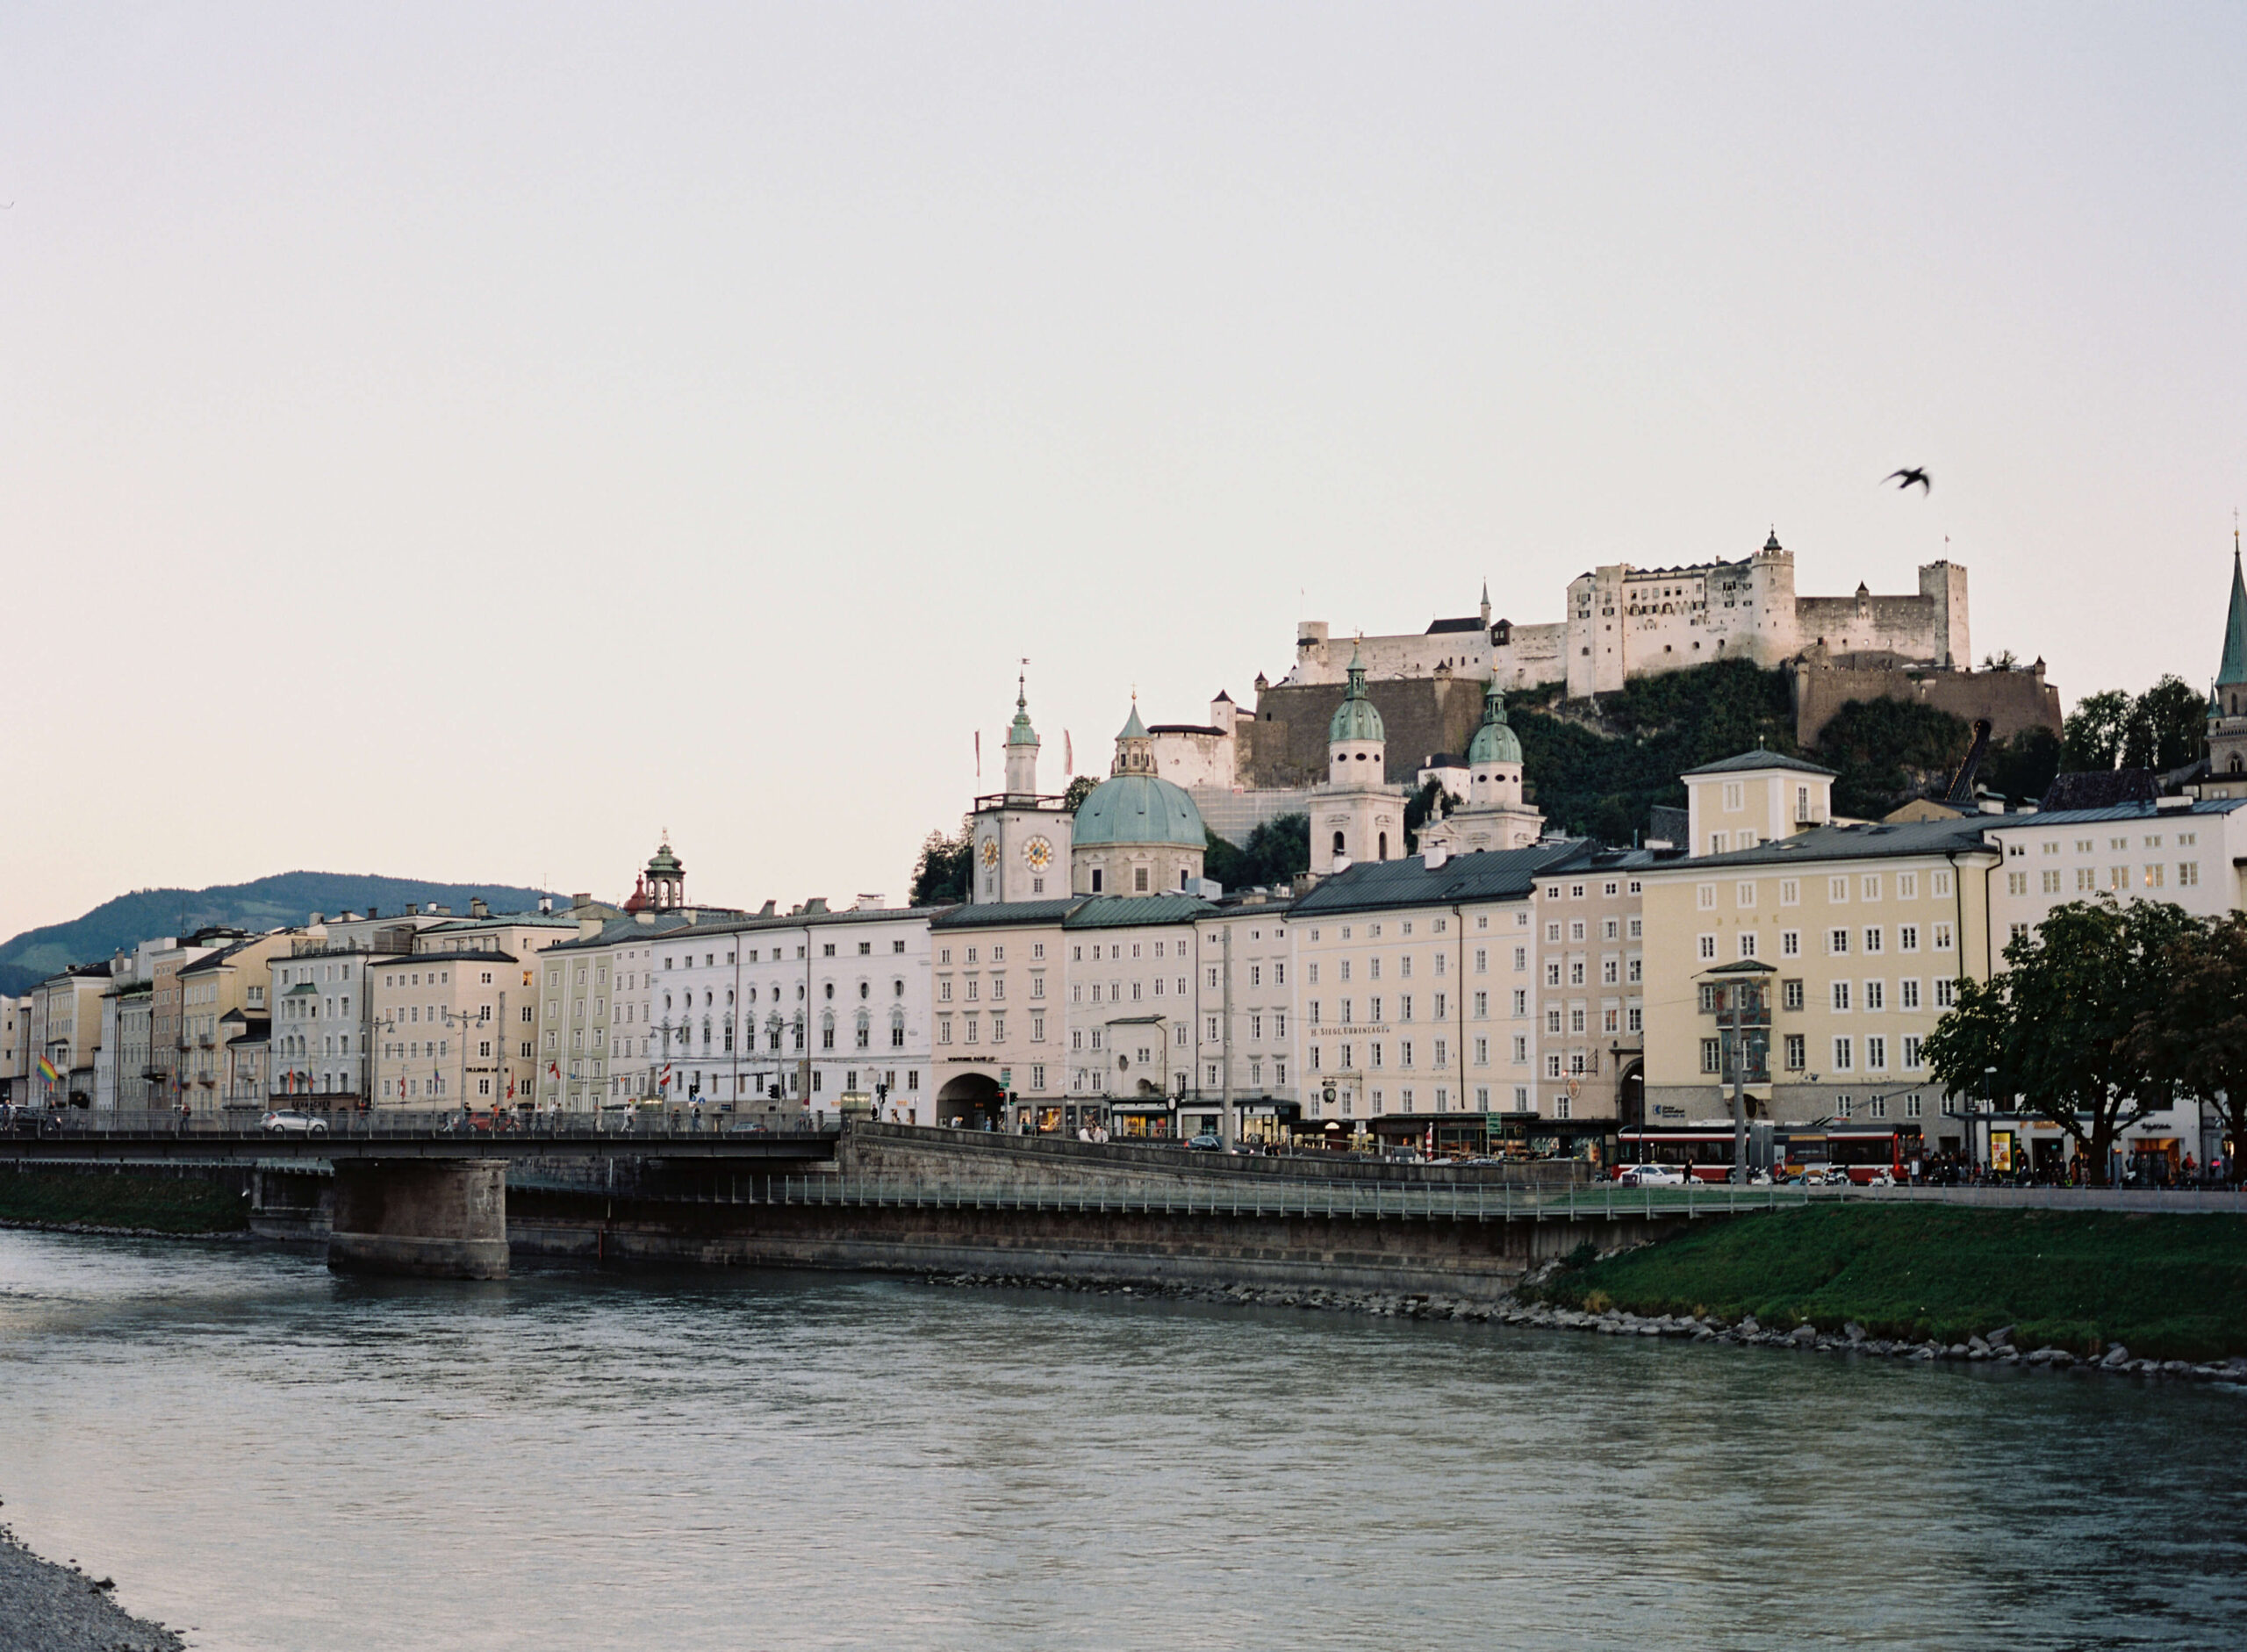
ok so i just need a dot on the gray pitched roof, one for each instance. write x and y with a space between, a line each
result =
1494 875
2100 788
1879 839
1121 911
1750 760
992 914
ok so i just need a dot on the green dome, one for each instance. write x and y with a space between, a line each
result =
1021 734
1355 718
1494 742
1139 809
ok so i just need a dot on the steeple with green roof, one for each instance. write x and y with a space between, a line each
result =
2233 671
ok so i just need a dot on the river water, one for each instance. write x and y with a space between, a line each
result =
289 1460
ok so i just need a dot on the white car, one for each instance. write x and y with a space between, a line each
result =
1652 1176
289 1122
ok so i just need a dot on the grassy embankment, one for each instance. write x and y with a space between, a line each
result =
163 1204
2170 1287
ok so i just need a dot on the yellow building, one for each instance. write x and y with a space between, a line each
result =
232 980
440 1022
1855 933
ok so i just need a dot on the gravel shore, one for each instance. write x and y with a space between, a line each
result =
49 1608
1996 1348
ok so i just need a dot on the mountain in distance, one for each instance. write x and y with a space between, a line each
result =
267 903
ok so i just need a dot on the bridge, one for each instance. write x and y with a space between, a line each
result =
423 1193
422 1196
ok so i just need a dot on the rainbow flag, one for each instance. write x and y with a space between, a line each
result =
47 1071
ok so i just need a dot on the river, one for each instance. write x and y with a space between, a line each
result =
291 1462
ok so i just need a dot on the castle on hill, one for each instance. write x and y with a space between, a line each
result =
1623 623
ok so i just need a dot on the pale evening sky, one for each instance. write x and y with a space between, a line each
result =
459 441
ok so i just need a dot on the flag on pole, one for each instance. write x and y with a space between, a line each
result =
664 1084
48 1072
1068 755
553 1070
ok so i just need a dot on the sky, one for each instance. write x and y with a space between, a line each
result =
465 440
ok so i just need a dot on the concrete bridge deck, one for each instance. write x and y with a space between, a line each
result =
219 1146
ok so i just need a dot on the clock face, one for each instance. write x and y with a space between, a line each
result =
1038 852
990 854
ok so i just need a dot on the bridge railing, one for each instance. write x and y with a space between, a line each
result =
1378 1200
246 1124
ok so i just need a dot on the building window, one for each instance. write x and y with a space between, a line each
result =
1795 1051
1843 1050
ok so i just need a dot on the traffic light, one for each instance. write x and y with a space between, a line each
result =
881 1092
773 1091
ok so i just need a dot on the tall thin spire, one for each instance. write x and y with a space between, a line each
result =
2234 669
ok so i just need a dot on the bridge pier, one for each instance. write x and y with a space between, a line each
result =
435 1218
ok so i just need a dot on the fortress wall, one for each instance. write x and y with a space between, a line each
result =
1421 716
2011 701
1913 626
1532 656
1193 759
1320 658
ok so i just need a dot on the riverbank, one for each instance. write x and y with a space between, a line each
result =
2168 1287
2116 1359
121 1202
44 1607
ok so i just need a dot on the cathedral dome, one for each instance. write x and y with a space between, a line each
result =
1494 742
1355 718
1129 809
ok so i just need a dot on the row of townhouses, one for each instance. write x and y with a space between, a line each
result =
1503 988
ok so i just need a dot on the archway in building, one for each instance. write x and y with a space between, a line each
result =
1630 1097
972 1101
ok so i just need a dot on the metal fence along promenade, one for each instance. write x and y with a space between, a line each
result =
1379 1200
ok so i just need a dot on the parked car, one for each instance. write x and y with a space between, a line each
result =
289 1122
1205 1143
1651 1176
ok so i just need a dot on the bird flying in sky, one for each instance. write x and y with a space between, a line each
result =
1905 479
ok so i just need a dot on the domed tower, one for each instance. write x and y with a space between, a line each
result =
1494 815
663 886
1137 833
1022 838
1355 814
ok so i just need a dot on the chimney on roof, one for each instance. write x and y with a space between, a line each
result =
767 910
429 907
476 908
817 904
318 918
870 903
545 905
373 912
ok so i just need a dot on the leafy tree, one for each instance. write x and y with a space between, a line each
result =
1080 788
2092 736
945 871
2024 766
1277 850
2193 1042
2056 1021
2166 727
1883 749
1416 811
2006 661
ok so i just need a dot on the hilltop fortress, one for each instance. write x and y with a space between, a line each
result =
1625 621
1622 622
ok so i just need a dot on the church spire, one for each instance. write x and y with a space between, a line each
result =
2234 669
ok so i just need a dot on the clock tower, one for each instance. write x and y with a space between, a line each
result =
1022 838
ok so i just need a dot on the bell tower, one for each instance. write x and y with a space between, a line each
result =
1021 837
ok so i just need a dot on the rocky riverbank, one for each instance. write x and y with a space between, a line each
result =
1996 1348
44 1607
